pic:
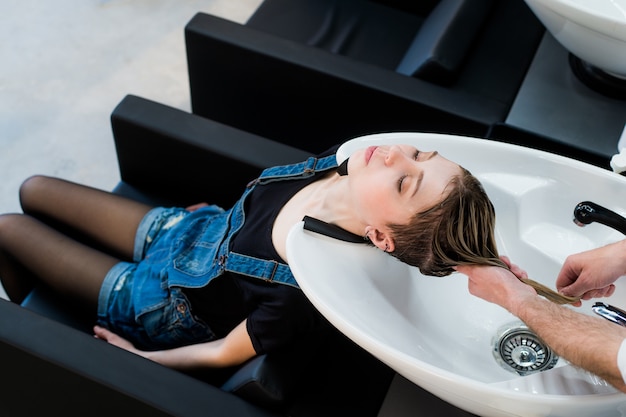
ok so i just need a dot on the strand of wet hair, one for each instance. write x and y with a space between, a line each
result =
541 289
549 293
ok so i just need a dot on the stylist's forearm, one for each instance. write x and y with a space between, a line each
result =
585 341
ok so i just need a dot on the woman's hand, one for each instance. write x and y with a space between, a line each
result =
114 339
234 349
195 207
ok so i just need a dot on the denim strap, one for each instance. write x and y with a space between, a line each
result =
270 271
305 168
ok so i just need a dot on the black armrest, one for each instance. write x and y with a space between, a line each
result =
52 369
266 380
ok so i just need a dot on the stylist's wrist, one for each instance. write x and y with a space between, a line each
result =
519 299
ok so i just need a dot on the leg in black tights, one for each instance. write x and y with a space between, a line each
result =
65 264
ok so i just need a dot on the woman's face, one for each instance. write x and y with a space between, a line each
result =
389 184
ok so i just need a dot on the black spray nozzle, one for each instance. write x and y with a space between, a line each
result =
588 212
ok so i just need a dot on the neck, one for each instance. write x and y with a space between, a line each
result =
328 201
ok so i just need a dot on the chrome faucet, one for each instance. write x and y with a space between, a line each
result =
611 313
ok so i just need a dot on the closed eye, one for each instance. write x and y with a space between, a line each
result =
400 181
416 156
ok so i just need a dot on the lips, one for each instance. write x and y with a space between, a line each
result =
368 153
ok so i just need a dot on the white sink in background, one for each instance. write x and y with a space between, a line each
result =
431 330
593 30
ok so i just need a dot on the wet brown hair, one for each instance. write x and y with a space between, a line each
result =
459 230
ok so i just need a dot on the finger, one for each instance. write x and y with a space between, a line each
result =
101 333
610 290
464 269
569 289
518 272
566 279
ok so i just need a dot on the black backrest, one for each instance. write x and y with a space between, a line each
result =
177 158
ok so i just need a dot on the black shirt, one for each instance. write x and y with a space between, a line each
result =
277 314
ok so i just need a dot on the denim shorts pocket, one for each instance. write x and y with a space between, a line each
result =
200 245
174 325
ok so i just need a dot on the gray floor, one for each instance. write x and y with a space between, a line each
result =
64 65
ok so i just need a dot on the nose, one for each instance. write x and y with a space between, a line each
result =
394 154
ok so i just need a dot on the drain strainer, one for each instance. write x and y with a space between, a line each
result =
519 350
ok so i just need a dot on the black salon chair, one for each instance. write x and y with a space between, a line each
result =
313 72
47 351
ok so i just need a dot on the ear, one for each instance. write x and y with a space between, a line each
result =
382 240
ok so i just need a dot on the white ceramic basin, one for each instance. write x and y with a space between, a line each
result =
431 330
593 30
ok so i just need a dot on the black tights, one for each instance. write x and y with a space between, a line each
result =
43 244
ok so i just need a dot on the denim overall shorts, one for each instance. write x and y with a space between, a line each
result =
174 248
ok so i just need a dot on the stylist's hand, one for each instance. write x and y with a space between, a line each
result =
591 274
515 269
498 285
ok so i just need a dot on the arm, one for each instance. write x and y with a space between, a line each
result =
234 349
588 342
591 274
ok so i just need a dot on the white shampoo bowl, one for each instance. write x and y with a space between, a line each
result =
593 30
431 330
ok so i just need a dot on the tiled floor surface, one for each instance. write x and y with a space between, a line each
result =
64 65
